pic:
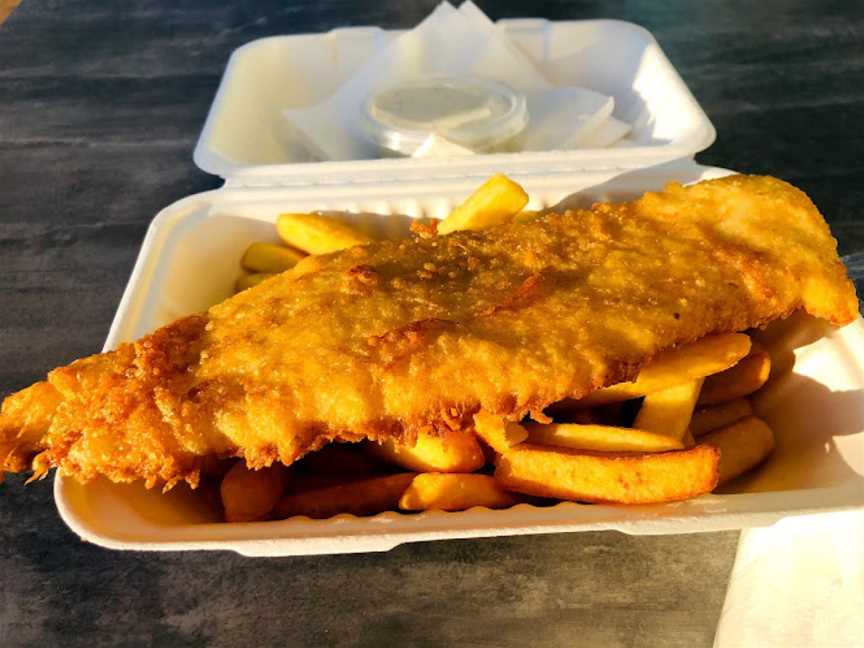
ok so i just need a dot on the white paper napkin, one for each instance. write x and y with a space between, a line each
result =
561 118
610 132
797 584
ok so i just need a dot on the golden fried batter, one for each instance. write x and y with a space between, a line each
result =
394 337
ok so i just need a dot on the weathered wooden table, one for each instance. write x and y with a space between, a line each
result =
100 107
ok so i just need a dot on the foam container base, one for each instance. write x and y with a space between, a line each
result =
189 260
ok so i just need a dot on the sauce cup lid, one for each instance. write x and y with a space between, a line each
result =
472 112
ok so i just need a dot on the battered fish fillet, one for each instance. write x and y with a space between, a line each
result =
391 338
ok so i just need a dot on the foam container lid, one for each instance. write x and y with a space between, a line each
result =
246 134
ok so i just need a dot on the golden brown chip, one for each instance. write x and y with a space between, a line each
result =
454 492
622 478
365 497
270 258
691 362
741 380
245 281
706 419
501 435
669 410
600 438
318 234
453 451
743 445
494 202
249 495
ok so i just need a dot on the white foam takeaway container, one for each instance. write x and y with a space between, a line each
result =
187 263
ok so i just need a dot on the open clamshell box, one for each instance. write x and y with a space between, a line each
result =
186 265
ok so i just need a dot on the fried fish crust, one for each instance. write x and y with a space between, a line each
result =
391 338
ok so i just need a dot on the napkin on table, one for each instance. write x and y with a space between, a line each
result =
797 584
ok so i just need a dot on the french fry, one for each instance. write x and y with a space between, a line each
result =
501 435
267 257
496 201
249 495
669 410
743 445
741 380
364 497
454 492
691 362
713 417
317 234
622 478
600 438
306 266
781 337
248 280
450 452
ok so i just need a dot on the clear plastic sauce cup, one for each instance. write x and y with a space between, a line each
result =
477 114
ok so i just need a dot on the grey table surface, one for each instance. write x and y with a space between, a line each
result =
100 107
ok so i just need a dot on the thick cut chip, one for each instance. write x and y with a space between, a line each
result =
365 497
669 410
749 375
501 435
454 492
267 257
707 419
743 445
687 363
448 452
780 338
626 479
317 234
603 438
249 495
496 202
249 280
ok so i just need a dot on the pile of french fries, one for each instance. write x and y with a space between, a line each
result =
683 427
